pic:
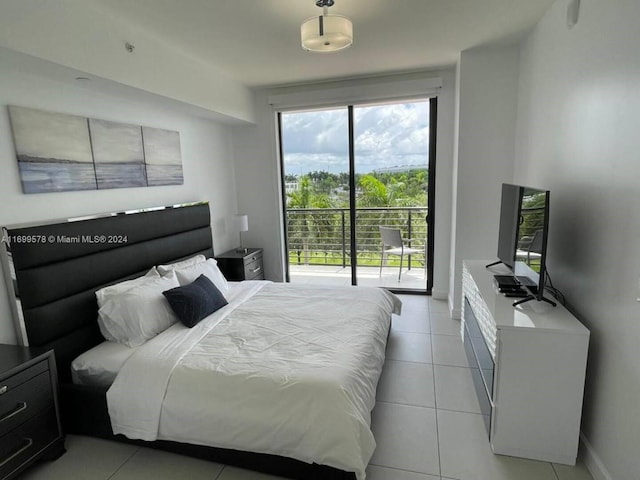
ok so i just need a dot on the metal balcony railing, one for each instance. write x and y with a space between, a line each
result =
322 236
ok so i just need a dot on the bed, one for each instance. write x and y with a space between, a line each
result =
269 400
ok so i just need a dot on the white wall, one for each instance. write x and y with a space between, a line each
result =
258 170
85 36
206 152
578 116
486 98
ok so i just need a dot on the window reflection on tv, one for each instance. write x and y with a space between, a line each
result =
531 229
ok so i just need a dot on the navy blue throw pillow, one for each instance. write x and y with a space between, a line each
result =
191 303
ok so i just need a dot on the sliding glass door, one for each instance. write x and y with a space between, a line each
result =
351 174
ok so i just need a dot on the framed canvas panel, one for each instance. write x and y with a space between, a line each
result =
118 154
53 150
59 152
162 156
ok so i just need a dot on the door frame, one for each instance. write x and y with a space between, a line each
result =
431 182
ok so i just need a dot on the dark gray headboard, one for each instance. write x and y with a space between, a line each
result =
59 266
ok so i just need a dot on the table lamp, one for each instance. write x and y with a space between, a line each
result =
242 225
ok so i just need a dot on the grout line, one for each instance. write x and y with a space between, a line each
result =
409 331
405 404
435 401
442 409
387 359
135 452
220 472
554 471
456 334
405 470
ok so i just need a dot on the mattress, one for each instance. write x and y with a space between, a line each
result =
283 369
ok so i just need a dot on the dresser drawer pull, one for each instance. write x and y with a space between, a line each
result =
255 270
253 259
3 389
15 454
19 408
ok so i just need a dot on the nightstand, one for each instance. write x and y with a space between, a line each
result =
237 266
30 426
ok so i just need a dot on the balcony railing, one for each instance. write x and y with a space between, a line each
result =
322 236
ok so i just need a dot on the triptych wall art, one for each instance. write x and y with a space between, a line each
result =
59 152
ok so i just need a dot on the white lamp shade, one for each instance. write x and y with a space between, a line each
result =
326 33
241 222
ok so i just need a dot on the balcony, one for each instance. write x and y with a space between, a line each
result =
319 242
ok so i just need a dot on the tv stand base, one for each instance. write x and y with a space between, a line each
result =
493 264
531 297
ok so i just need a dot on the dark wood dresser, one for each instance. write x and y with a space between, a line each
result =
30 426
237 266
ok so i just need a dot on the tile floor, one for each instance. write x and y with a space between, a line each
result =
413 279
426 423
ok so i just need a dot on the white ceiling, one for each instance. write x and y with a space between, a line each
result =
257 42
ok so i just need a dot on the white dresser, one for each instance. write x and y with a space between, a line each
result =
528 364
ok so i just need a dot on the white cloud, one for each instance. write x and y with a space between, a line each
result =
385 136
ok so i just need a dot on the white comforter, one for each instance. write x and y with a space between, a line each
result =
283 369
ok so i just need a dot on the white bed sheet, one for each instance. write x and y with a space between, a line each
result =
99 366
290 370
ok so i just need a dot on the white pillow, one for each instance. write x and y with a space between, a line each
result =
139 313
100 365
164 269
209 269
103 294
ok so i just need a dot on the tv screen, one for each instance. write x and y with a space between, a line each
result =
523 233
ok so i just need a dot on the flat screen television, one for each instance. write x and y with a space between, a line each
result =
522 237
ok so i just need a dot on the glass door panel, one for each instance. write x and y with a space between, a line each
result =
391 145
315 159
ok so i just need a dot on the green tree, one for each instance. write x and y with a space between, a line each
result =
373 193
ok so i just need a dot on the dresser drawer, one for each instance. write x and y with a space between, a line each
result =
20 402
22 444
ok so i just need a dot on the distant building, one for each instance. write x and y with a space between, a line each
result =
399 169
291 187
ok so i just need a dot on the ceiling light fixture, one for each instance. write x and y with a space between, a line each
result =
326 33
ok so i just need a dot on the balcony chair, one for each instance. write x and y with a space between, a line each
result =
392 237
530 248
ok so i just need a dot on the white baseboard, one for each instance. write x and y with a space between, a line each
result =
444 295
592 461
455 313
440 294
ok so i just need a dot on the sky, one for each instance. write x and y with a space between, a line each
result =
389 135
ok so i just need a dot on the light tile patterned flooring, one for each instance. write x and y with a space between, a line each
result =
426 423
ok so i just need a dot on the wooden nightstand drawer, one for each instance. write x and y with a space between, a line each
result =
21 377
29 421
253 266
254 257
20 402
22 444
